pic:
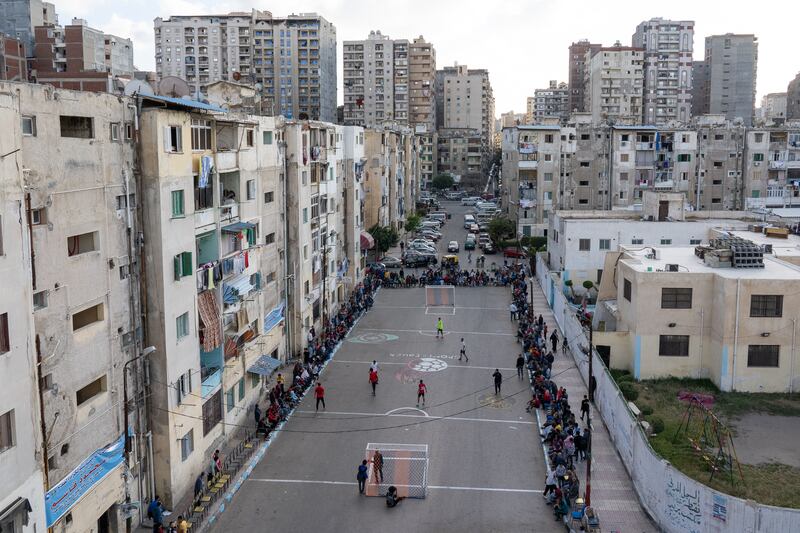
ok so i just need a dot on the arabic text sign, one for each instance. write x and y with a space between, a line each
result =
60 499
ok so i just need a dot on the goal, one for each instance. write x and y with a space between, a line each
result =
404 465
440 295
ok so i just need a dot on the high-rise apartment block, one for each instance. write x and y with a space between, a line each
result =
577 74
421 79
701 78
728 77
293 58
613 84
19 18
668 46
773 107
552 102
793 99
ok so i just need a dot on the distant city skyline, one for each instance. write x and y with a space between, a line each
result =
524 45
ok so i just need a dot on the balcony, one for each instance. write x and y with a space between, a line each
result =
529 164
227 161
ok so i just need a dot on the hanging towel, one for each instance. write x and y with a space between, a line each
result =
210 273
246 260
206 164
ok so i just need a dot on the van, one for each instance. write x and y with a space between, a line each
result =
485 206
470 200
468 221
438 216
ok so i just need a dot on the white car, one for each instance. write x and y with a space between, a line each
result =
452 246
469 201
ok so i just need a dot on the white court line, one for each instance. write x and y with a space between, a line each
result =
425 307
446 332
439 311
393 411
435 487
429 417
454 365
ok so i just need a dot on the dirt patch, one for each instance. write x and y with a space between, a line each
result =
762 438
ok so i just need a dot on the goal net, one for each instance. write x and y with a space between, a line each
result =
404 465
440 295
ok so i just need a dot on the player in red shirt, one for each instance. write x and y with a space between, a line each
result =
373 379
319 394
421 390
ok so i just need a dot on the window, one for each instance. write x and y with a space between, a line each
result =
187 445
128 131
758 157
763 355
77 127
255 380
637 241
759 137
249 138
694 242
666 242
173 142
212 412
5 341
38 216
39 300
7 437
183 386
182 326
178 209
623 158
676 298
626 289
673 345
251 189
230 399
81 244
605 244
29 126
269 197
241 389
584 245
684 158
201 135
91 390
203 196
548 138
124 201
266 137
87 317
766 305
548 176
182 264
114 130
305 215
270 277
585 163
270 238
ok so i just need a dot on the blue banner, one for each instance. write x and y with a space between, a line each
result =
61 498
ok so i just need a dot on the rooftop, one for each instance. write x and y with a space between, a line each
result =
780 247
722 218
684 256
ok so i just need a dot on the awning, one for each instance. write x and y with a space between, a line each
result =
273 318
236 288
264 366
236 227
19 506
367 241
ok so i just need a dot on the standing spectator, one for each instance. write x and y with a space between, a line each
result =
584 407
541 321
520 365
373 379
182 526
361 476
498 380
463 350
198 486
377 466
257 415
550 483
319 394
155 511
216 463
421 390
512 309
554 340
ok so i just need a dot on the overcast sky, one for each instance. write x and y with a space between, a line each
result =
522 43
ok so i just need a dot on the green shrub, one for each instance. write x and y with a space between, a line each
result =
657 424
629 392
623 378
646 410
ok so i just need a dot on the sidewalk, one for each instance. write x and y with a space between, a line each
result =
613 495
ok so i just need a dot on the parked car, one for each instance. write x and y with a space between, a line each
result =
474 228
391 262
514 253
483 226
452 246
432 234
425 242
489 248
469 244
415 259
376 265
470 200
469 220
422 248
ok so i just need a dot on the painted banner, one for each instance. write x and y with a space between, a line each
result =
61 498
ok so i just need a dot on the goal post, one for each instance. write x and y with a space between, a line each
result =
404 465
440 296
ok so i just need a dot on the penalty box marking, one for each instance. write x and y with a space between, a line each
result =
432 333
448 311
434 487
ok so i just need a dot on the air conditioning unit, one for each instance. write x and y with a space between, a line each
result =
756 163
672 267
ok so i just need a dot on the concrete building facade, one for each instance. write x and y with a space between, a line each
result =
18 18
731 62
459 153
773 108
701 77
293 57
421 81
614 84
793 99
668 46
578 53
13 62
552 102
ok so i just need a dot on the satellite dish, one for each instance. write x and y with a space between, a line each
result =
237 76
134 87
173 86
259 87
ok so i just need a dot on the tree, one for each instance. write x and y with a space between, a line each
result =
500 228
412 223
442 182
385 238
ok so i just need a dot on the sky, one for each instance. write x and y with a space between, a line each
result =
523 44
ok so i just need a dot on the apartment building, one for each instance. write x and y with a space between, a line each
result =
728 77
718 182
772 167
701 78
21 442
552 102
293 58
697 312
773 108
468 100
13 63
578 54
578 240
18 18
531 173
213 211
668 47
421 80
459 152
427 155
793 99
614 84
350 174
583 182
76 154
